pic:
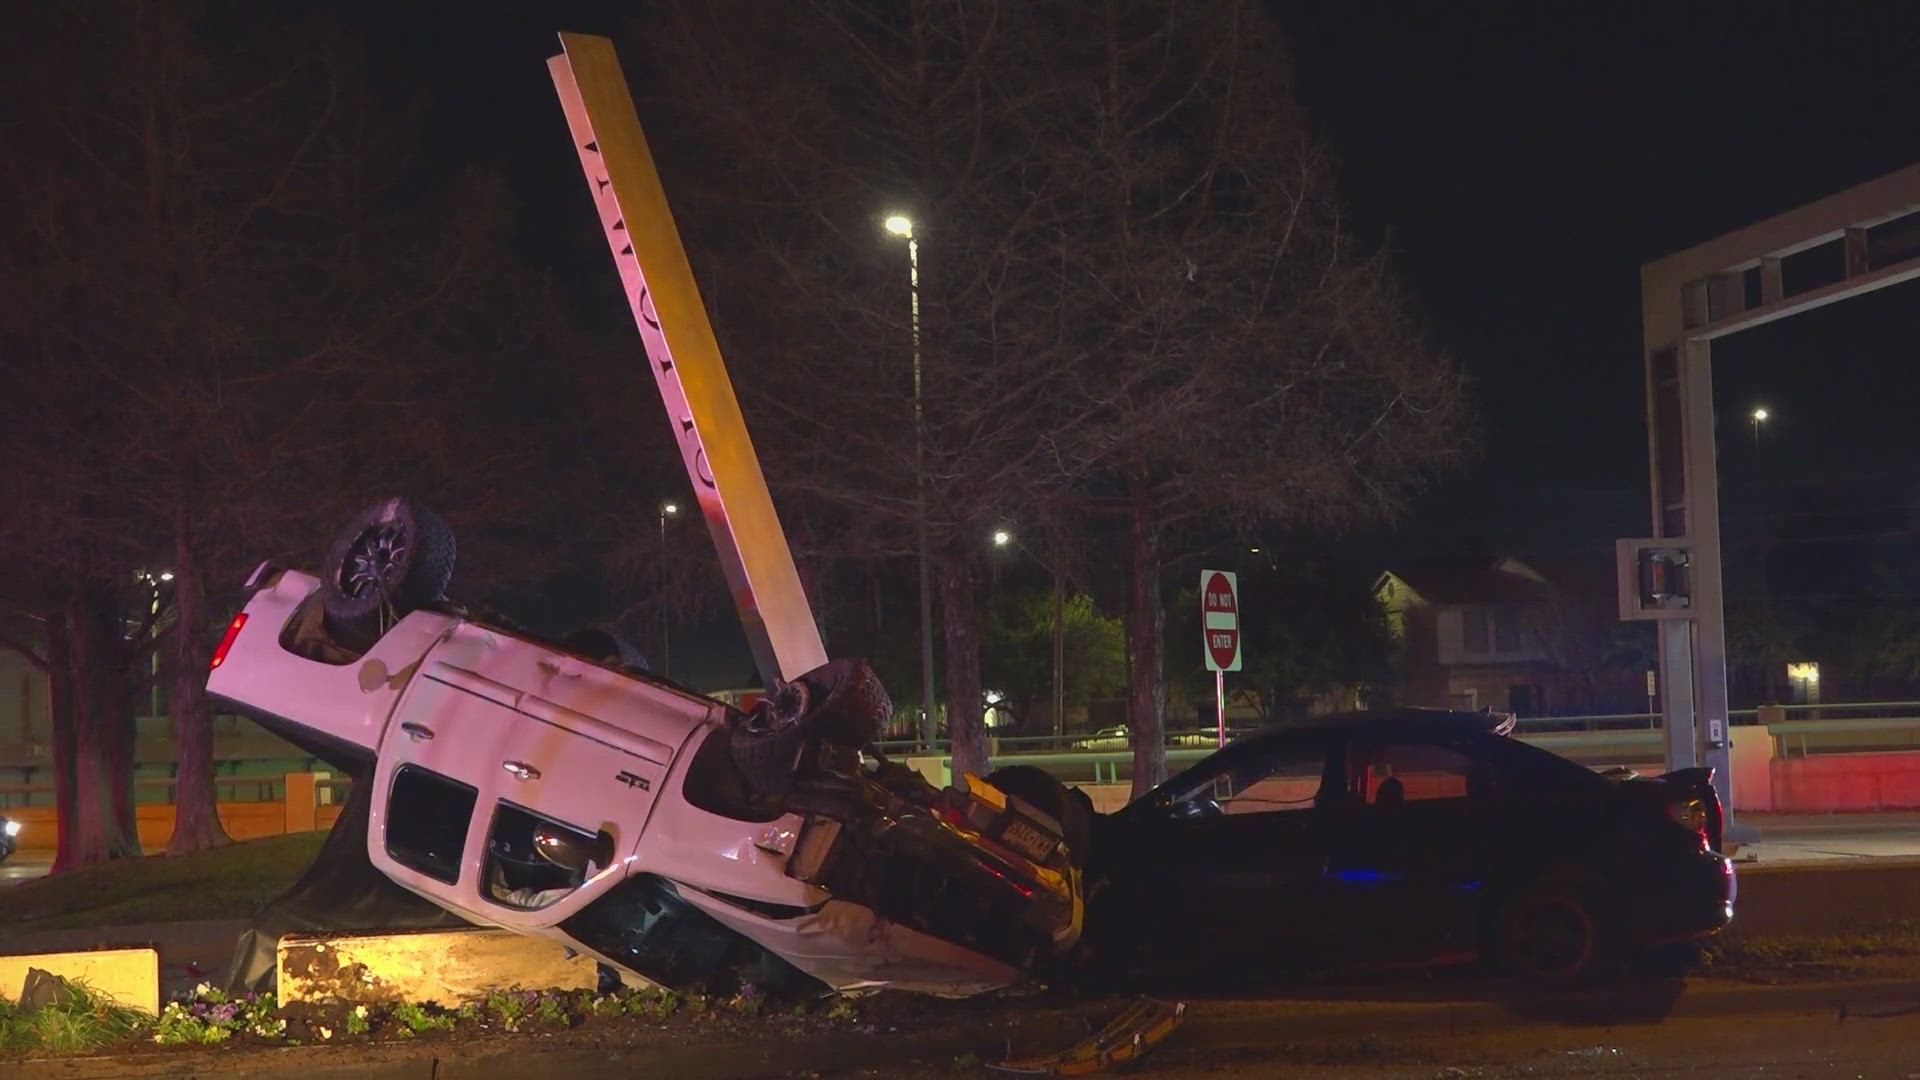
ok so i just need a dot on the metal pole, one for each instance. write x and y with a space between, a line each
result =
666 640
929 728
1220 703
1059 652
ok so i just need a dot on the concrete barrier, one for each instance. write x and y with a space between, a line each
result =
447 967
130 977
1884 781
1840 895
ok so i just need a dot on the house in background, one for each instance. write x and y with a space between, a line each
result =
1531 637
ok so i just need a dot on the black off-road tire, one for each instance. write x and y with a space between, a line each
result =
841 702
1069 806
766 742
394 558
848 704
1556 931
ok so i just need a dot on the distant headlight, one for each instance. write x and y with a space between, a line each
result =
12 828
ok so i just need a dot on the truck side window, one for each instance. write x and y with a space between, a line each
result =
427 818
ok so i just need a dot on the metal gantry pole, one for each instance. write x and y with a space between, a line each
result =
666 630
929 727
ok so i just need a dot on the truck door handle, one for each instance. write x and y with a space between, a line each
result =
417 732
521 770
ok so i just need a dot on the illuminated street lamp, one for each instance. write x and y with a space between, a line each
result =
902 226
667 509
1758 417
1001 538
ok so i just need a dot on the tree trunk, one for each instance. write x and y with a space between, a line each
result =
966 724
60 715
102 733
1146 623
196 821
119 732
1059 704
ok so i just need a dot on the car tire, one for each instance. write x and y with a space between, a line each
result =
392 559
1554 931
1069 806
7 846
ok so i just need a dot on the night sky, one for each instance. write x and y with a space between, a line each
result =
1522 161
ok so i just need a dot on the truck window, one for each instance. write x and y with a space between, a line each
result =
427 819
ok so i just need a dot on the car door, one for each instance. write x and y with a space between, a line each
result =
1410 845
1221 867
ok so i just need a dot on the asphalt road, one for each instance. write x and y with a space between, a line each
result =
1761 1045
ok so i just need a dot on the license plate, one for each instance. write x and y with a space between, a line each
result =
1027 840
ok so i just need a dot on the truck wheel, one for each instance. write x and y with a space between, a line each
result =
1070 807
848 705
391 560
767 741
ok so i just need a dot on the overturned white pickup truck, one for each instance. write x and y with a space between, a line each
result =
560 792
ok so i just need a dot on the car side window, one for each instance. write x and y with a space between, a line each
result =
1394 774
1276 781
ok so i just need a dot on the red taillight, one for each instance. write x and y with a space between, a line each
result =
1693 814
226 640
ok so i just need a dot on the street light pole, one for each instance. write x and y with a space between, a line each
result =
1758 417
667 510
901 225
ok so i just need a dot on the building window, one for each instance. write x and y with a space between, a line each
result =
1506 632
1473 630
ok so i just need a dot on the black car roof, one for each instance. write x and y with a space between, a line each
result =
1404 720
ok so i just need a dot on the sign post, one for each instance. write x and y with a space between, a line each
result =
1220 634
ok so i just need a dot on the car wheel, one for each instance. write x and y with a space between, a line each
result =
1069 806
1554 931
391 560
6 848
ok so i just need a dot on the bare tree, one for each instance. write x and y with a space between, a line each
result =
1261 368
243 319
883 409
1139 298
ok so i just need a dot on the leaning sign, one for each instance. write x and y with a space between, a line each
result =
1220 633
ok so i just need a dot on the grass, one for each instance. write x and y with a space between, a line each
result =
81 1020
1900 940
231 882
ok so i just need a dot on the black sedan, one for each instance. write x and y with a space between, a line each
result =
1402 837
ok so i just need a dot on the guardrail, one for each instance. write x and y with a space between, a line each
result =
238 789
1839 716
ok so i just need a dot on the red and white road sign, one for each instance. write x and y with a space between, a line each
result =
1220 619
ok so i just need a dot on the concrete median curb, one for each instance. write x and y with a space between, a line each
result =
441 967
129 977
1826 896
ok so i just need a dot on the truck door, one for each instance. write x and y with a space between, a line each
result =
468 768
